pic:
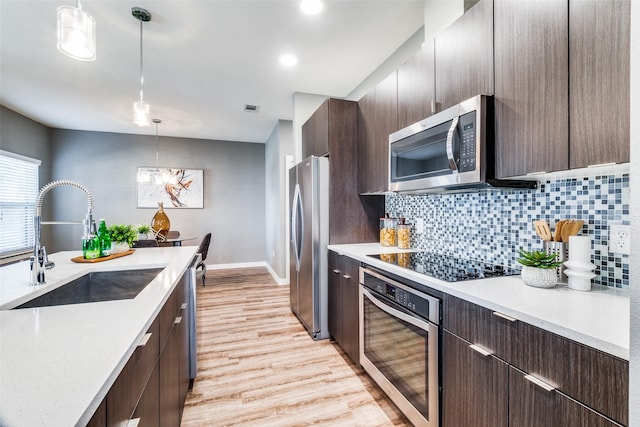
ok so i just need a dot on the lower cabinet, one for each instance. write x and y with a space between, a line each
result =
153 385
475 385
344 325
499 371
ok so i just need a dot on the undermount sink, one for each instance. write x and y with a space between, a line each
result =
97 286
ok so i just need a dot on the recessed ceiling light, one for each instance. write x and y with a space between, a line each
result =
288 60
311 7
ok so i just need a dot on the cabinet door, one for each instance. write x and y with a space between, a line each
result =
464 57
532 405
170 380
321 129
416 87
335 297
307 138
377 118
350 313
531 87
592 377
599 80
474 386
148 409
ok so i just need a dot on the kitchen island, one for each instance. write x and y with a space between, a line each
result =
58 363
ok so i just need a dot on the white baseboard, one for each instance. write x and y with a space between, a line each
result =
278 279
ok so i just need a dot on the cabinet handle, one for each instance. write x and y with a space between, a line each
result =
183 306
482 351
537 381
145 339
336 271
504 316
433 106
133 422
346 276
178 320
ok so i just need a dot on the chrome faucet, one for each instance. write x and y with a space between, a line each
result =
39 260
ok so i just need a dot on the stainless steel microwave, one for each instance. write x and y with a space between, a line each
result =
451 150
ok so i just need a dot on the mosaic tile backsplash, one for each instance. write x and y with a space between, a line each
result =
493 225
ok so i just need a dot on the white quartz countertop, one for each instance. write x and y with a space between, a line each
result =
599 318
57 363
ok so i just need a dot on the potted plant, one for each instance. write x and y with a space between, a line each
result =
143 231
122 237
539 268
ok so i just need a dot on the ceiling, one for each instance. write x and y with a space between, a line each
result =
203 61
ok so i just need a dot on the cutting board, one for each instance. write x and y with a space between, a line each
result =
106 258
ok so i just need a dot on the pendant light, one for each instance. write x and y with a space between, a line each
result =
157 176
141 110
76 33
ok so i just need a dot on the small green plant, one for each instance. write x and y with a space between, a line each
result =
538 259
123 233
143 229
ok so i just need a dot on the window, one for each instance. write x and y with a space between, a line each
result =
18 192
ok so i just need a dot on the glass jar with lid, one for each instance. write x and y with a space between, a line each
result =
388 234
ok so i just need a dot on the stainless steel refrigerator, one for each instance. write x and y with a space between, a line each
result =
309 228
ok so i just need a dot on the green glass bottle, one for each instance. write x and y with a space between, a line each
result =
105 239
91 244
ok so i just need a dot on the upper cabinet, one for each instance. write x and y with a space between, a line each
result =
315 135
464 57
531 87
377 118
333 130
599 82
416 87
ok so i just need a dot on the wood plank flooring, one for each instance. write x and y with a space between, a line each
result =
257 366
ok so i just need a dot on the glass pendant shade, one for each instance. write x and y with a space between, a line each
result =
76 33
141 113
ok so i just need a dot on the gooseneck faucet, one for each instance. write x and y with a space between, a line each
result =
39 260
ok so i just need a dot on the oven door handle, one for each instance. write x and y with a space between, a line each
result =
425 326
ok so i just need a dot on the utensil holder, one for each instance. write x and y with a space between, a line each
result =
561 249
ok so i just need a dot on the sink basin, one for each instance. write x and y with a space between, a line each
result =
97 286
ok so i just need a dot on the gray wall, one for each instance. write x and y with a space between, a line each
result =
277 147
21 135
234 199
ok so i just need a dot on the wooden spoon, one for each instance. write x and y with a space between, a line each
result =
542 228
557 236
566 229
576 226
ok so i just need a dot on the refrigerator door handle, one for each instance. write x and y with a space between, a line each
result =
295 214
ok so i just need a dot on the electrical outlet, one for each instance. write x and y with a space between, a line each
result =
419 225
619 239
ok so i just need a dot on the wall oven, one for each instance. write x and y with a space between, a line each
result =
399 344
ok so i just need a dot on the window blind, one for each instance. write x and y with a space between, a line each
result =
18 192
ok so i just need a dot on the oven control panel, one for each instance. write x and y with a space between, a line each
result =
468 142
408 300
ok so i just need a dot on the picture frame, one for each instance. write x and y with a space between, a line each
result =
176 188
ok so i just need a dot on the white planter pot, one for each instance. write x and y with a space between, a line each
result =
539 277
119 247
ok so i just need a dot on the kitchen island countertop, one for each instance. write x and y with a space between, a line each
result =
599 318
57 363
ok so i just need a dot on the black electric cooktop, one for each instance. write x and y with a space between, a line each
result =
445 267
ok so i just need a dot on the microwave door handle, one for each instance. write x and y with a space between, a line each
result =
450 136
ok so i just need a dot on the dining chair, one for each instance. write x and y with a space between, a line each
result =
201 268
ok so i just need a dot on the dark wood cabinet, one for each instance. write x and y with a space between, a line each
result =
531 87
416 87
315 132
344 324
99 418
148 409
170 380
586 385
599 35
377 118
464 57
334 126
474 386
594 378
532 405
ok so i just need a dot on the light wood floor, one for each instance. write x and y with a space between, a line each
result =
257 366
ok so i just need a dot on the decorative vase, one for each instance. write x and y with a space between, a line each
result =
160 223
119 247
579 267
539 277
